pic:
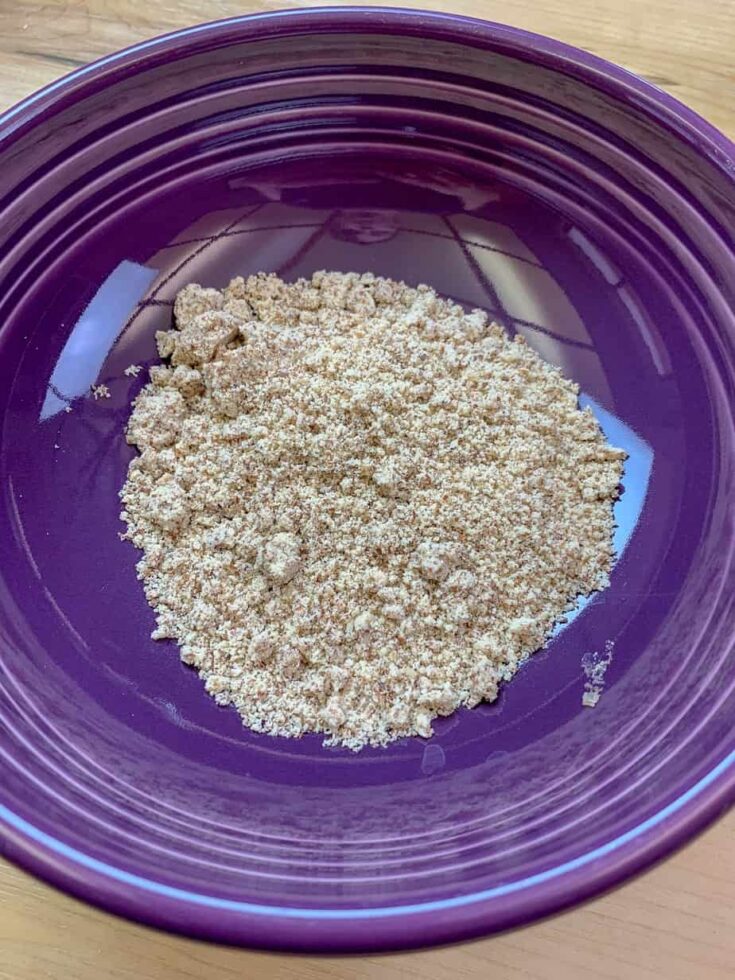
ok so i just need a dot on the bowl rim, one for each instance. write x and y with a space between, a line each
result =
407 926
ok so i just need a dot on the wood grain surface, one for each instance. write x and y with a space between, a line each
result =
676 922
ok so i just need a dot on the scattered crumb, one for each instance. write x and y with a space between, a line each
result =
133 370
595 666
100 391
360 506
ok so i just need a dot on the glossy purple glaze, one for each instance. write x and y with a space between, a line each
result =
585 209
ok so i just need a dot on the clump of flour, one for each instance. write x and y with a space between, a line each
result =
360 507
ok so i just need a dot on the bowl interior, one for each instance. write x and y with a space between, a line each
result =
462 157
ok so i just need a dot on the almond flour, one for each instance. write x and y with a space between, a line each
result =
360 507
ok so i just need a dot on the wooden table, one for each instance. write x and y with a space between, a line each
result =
676 922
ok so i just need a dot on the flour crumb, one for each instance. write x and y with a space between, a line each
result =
100 391
133 370
360 507
67 409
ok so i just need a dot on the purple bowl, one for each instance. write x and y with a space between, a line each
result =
582 207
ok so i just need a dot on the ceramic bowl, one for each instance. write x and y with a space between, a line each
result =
584 209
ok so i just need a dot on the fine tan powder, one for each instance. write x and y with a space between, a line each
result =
360 507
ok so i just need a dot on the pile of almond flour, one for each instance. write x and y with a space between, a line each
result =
360 507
